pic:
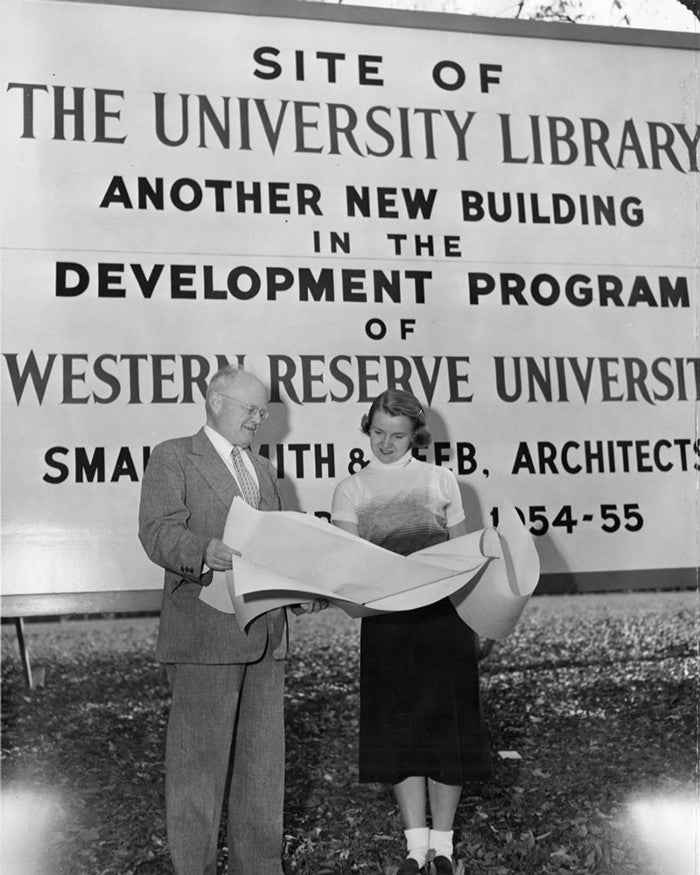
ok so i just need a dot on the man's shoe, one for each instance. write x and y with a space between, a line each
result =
409 867
443 866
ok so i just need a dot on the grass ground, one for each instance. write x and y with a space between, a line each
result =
597 694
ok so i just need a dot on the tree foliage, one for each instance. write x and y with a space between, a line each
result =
574 11
693 6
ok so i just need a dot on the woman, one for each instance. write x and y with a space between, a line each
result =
421 728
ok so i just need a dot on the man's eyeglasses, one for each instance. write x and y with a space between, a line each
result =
261 412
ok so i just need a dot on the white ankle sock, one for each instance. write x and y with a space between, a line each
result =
441 842
417 843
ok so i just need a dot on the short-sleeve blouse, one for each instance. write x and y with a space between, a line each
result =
403 506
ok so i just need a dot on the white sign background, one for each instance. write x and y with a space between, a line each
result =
90 379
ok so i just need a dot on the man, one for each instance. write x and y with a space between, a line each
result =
227 685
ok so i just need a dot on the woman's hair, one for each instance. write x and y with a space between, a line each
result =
396 402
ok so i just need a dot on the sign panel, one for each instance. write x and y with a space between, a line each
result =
498 223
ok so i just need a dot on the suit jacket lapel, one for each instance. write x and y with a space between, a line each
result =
208 463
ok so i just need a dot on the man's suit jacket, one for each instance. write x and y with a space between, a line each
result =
186 495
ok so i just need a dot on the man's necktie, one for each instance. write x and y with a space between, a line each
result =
246 481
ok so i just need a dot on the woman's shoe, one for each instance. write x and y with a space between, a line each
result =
443 866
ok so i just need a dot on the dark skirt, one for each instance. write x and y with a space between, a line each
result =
420 706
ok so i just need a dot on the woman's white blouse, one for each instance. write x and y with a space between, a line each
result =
404 499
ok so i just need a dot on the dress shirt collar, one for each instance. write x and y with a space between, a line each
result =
222 446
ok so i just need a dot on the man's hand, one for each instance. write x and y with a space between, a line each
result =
310 607
218 556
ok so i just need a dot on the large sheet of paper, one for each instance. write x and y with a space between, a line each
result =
288 557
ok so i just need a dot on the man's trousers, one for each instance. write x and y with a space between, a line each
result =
219 714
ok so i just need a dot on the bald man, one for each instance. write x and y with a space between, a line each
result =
227 685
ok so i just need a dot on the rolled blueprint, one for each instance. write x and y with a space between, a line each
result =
288 557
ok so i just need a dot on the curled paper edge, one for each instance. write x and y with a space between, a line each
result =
493 603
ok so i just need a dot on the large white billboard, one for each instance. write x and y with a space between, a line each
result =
503 222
